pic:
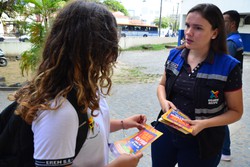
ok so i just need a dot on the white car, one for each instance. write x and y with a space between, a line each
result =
24 38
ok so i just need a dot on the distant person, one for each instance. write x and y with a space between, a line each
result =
235 49
79 54
208 91
234 41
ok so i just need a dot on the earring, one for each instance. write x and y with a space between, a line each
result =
213 37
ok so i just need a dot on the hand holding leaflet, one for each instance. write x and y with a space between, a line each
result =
174 118
137 142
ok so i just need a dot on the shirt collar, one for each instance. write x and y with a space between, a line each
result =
209 59
231 33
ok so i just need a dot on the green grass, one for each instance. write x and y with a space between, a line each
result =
151 47
134 75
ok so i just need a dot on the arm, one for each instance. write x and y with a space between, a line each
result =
235 110
234 113
233 99
161 94
126 160
232 48
52 130
137 121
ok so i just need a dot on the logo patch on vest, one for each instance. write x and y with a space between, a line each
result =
214 98
172 65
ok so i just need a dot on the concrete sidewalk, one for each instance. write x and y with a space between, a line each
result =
129 99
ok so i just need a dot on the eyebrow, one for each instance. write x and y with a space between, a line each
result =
197 25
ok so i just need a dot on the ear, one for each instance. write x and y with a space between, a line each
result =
215 33
233 24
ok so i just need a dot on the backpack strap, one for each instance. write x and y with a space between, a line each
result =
6 114
83 121
8 122
16 139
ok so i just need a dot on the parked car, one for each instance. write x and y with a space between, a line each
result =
3 59
24 38
1 38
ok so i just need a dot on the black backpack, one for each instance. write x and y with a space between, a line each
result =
16 136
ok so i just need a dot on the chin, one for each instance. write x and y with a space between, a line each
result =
188 46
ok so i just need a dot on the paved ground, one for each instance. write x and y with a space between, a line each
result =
129 99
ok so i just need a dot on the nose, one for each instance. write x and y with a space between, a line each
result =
188 31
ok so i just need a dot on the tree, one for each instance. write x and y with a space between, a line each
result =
115 6
165 22
7 7
41 12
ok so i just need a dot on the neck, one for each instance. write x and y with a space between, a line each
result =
197 56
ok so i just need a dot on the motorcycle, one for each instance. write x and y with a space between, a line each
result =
3 59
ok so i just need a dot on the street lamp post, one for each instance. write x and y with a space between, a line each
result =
176 17
160 19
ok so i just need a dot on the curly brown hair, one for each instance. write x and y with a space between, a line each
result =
80 52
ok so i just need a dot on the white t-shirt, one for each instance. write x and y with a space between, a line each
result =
55 137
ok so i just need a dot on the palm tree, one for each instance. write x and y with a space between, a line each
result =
41 12
7 7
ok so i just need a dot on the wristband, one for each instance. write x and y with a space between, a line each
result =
124 134
122 124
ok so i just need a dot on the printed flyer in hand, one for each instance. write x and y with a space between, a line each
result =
137 142
174 118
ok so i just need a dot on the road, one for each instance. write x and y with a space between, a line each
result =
10 39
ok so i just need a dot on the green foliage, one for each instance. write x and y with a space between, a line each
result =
42 13
31 58
165 22
7 7
115 6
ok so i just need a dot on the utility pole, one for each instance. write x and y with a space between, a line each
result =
160 19
176 17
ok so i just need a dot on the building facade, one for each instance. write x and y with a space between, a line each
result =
242 6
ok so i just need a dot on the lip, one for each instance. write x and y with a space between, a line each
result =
189 41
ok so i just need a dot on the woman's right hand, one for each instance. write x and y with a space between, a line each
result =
126 160
166 105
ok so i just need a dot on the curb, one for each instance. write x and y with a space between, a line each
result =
12 87
9 88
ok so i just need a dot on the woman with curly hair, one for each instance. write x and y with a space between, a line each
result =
79 54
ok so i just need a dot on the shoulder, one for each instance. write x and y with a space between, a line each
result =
55 132
234 39
226 57
174 52
65 112
226 61
233 36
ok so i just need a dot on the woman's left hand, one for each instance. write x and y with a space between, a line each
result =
197 125
137 121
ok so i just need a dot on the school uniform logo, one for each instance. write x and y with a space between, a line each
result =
94 128
91 124
214 97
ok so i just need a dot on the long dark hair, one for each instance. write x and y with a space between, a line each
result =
213 15
79 53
